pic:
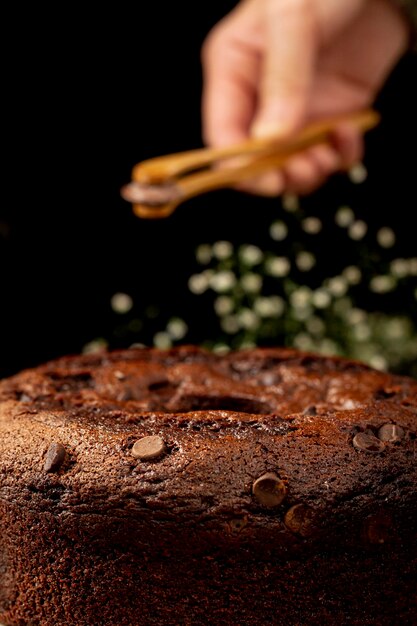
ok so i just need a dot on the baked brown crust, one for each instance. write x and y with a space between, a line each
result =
183 487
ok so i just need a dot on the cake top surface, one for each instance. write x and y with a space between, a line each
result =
109 387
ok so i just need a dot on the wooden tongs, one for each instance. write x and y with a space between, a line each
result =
159 185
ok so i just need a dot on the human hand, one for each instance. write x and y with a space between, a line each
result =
271 66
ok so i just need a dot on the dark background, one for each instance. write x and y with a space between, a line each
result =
88 96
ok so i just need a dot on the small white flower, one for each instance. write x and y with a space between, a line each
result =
302 313
301 297
203 254
278 304
251 283
399 267
312 225
352 274
356 316
278 230
327 346
385 237
223 305
337 286
382 284
222 281
303 341
251 255
269 306
247 345
315 325
262 307
229 324
342 306
344 216
162 340
278 266
412 266
396 328
365 351
221 348
121 303
378 362
248 319
357 230
96 345
361 331
321 298
290 202
358 173
177 328
305 261
199 283
222 250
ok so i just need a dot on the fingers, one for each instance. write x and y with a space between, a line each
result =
230 61
288 63
258 66
306 172
349 144
270 184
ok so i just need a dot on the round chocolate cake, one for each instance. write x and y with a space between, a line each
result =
150 487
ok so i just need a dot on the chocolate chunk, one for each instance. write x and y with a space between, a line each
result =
391 432
55 457
367 443
310 410
269 490
238 524
149 448
299 519
150 195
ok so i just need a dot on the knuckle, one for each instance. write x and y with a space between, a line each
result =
214 43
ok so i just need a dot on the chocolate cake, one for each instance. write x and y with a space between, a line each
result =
150 487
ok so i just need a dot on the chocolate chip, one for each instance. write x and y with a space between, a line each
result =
149 448
391 432
299 519
367 443
126 395
377 528
310 410
269 490
55 457
238 524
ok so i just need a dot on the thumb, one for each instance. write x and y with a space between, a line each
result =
289 57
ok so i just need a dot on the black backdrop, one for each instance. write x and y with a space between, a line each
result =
87 96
